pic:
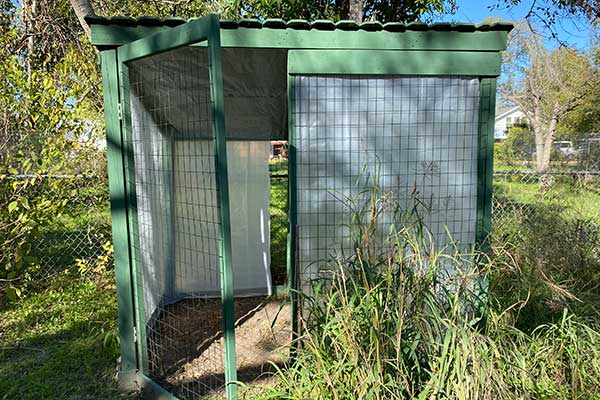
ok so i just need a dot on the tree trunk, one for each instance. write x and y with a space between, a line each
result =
30 13
83 8
545 161
539 147
356 10
549 136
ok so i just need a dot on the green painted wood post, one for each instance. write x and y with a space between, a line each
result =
222 181
118 206
292 216
132 217
485 171
485 163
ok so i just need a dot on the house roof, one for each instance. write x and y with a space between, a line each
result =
301 24
504 111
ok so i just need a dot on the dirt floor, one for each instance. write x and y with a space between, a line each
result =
185 344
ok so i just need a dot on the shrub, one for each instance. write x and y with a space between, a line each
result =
518 146
399 321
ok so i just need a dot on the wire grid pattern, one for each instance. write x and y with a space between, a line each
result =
417 136
178 219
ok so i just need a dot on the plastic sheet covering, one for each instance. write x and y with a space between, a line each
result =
153 206
180 256
249 183
196 218
419 132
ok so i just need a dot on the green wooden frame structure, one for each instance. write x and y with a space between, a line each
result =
350 48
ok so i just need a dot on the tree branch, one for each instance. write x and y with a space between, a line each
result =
82 9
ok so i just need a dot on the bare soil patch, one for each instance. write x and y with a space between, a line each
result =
185 344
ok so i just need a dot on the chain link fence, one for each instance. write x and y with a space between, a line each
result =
81 230
524 200
548 224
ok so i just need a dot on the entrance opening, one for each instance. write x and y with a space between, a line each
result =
178 214
278 171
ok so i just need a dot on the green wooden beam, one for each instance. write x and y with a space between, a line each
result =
382 40
394 62
485 165
222 181
292 217
182 35
114 35
132 219
118 207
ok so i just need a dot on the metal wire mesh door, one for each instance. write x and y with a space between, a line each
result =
177 220
417 136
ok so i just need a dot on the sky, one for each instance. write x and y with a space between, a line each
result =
571 31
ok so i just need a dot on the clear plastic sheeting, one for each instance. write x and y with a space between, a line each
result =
176 193
195 223
151 155
249 198
417 135
196 218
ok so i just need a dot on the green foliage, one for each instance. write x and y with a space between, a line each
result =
378 10
279 221
551 251
48 129
380 325
518 146
100 265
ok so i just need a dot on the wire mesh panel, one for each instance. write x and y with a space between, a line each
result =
178 219
415 136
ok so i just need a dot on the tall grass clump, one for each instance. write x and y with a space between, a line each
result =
399 317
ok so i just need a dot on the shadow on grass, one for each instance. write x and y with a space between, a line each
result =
60 344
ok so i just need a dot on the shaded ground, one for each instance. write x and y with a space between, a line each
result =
186 344
60 343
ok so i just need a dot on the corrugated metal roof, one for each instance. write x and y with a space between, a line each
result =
301 24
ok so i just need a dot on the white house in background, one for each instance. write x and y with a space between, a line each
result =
505 118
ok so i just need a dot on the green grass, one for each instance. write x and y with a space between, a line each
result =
279 221
584 202
278 166
375 327
60 343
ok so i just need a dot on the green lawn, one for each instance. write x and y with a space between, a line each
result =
60 343
574 200
279 221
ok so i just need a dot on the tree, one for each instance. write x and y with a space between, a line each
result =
546 85
83 8
357 10
585 119
550 13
